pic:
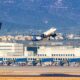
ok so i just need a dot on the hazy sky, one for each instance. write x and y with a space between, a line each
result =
30 15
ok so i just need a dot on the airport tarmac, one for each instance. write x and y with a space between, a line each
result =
27 71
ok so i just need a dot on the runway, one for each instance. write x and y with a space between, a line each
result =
38 71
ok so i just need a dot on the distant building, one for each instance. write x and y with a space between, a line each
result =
70 36
19 37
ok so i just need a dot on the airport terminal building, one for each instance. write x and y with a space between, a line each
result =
45 53
52 53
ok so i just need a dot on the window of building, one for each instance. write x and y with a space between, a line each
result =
37 54
33 58
73 54
59 54
56 59
63 54
53 54
59 58
28 58
45 54
56 54
66 54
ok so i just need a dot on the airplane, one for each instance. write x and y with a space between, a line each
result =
48 33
